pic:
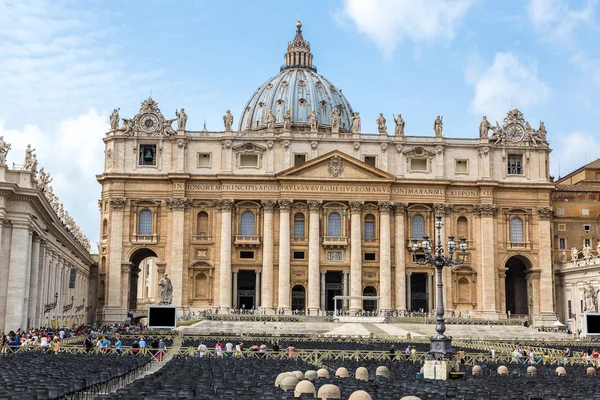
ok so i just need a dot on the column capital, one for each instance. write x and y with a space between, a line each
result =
345 272
385 207
178 203
323 272
285 204
117 203
224 205
400 208
442 208
126 267
356 206
485 210
258 272
544 213
235 271
268 205
314 205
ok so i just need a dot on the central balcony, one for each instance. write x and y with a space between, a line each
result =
247 240
335 241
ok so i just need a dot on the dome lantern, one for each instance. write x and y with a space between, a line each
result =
298 53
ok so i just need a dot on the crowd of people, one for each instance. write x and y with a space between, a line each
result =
230 350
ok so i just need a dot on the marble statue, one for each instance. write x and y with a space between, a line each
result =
381 124
335 120
312 120
590 298
28 163
181 119
128 125
43 180
542 130
167 128
438 126
484 128
270 120
4 148
587 254
563 256
114 120
598 248
166 290
355 123
399 129
228 120
574 254
287 120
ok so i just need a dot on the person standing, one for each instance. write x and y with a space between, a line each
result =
202 349
229 348
392 352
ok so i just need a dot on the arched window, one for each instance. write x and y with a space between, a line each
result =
299 225
247 228
418 227
145 223
334 224
105 227
202 224
516 230
369 228
464 290
201 286
462 227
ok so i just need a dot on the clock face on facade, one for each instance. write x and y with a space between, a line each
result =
149 122
515 132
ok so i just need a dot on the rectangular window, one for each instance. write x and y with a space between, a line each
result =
418 164
370 160
587 242
72 278
562 227
203 160
299 159
147 155
560 211
247 254
461 167
369 256
562 243
369 230
587 228
417 257
298 228
570 308
585 211
248 161
515 164
299 255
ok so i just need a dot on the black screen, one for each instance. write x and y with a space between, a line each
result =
593 324
161 317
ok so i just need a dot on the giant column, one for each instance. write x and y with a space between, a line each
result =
235 289
345 288
225 254
400 254
114 310
267 266
323 290
16 276
488 267
284 255
314 207
385 262
33 280
546 284
27 266
177 206
355 255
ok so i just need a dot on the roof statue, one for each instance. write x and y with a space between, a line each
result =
4 148
399 129
381 125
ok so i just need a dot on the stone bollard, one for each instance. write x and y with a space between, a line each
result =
329 391
502 370
590 371
382 370
560 371
476 370
342 373
323 373
531 370
360 395
304 387
289 383
362 374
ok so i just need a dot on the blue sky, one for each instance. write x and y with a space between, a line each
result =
64 65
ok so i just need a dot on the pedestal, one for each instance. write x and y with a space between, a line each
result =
441 348
439 369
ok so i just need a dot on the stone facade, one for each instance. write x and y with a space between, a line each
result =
283 214
46 273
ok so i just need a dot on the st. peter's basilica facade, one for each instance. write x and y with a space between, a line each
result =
297 205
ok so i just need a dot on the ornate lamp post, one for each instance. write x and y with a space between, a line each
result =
441 345
51 306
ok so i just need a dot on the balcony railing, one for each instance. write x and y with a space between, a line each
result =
370 241
299 239
202 239
247 240
145 238
335 241
519 245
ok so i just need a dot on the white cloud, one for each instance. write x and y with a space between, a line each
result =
73 153
389 22
508 81
573 150
556 21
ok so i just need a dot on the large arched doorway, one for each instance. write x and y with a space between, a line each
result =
298 298
143 279
516 286
246 290
370 304
333 287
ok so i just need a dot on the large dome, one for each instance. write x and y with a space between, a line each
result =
298 88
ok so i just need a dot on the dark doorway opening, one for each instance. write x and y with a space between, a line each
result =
136 259
418 292
298 298
370 305
333 287
246 294
516 287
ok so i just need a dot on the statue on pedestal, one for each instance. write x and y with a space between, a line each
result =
270 120
438 126
587 254
335 120
590 298
28 163
484 128
312 120
4 148
287 120
228 121
574 254
381 124
114 120
399 129
181 119
128 125
355 123
166 290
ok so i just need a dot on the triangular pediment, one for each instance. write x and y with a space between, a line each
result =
335 165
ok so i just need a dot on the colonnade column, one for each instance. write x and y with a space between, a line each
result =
225 254
345 287
41 289
355 255
314 207
400 256
267 266
284 255
33 280
177 206
385 264
488 267
323 290
257 291
546 284
235 288
27 267
16 277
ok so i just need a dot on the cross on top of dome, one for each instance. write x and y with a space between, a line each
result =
298 53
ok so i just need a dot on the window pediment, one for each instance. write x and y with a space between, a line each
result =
418 152
249 148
